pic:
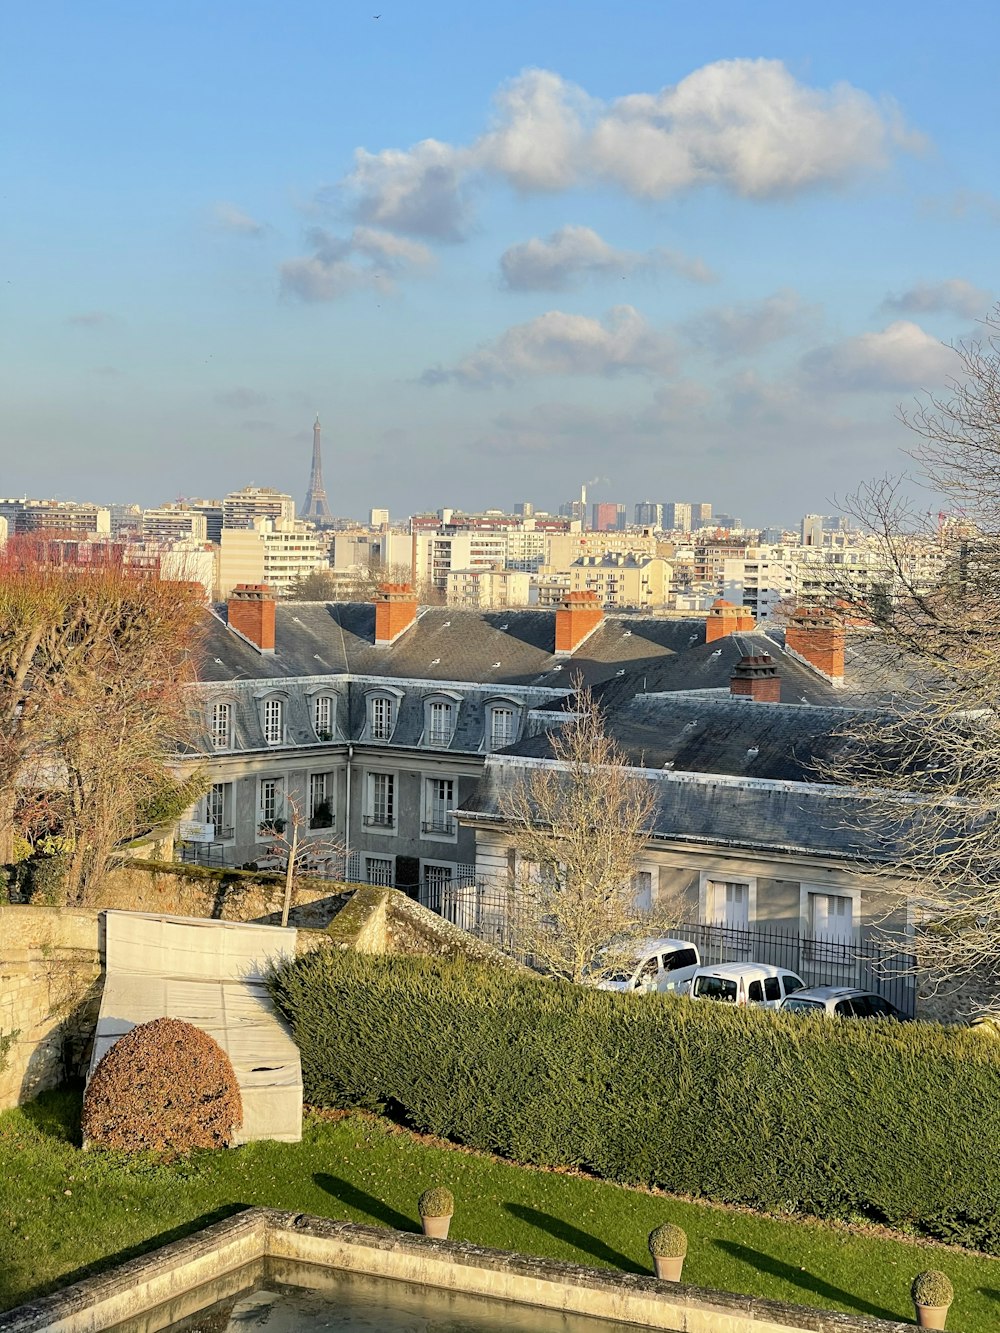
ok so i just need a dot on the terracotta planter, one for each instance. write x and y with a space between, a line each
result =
667 1268
436 1226
932 1316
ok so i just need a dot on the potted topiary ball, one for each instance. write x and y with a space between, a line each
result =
668 1245
932 1294
436 1207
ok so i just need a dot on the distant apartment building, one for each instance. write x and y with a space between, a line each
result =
275 552
623 581
212 510
701 515
4 531
126 519
435 554
607 517
816 527
173 522
56 517
488 589
242 509
564 548
677 516
727 523
648 514
378 518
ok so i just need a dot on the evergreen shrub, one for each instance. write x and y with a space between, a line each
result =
437 1202
897 1122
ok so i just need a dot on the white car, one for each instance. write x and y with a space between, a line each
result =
758 984
660 965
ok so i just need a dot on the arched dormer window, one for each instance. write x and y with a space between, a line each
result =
382 713
323 715
440 716
502 723
220 724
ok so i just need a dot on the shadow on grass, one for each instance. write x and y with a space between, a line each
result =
361 1202
56 1113
990 1293
581 1240
133 1252
798 1277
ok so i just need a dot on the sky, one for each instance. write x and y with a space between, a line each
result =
676 251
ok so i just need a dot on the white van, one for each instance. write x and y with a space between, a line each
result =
660 965
758 984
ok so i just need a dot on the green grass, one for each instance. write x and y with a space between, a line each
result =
63 1212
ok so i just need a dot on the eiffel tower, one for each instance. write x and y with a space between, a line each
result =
315 505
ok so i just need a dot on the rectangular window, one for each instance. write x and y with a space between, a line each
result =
437 877
439 802
831 924
323 717
274 730
501 728
222 726
378 870
270 800
218 809
730 904
381 719
381 800
320 800
439 723
642 885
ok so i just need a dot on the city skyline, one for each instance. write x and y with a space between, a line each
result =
716 249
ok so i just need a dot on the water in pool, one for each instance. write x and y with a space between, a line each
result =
286 1297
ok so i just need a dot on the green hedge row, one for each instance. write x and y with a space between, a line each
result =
899 1124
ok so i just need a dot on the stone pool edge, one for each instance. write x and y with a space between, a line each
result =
138 1285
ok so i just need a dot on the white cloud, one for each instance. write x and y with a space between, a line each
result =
557 343
538 141
954 295
367 259
749 126
420 191
737 330
551 265
746 125
230 218
902 356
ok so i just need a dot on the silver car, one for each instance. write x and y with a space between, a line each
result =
841 1002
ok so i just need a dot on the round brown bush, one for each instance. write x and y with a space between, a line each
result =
165 1087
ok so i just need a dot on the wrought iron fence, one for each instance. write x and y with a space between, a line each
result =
870 963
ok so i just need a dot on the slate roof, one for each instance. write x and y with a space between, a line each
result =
720 734
735 812
624 656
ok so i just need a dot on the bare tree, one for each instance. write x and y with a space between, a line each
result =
298 853
578 824
931 762
93 663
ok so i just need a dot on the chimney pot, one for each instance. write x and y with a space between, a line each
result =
578 617
756 677
395 612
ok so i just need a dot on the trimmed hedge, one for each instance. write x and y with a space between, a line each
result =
895 1123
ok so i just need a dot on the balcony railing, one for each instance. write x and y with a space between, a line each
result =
439 824
379 821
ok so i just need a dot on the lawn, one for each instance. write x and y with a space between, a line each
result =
63 1211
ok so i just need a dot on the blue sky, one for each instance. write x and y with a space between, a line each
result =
700 251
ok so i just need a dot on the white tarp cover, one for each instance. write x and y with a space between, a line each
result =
209 973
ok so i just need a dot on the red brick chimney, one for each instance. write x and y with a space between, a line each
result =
756 678
251 613
577 618
815 635
725 618
395 612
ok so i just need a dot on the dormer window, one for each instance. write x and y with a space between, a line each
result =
222 726
502 726
274 721
323 717
382 717
439 721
